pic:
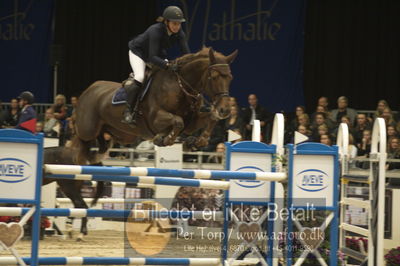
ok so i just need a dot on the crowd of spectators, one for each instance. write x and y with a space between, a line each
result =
55 122
321 125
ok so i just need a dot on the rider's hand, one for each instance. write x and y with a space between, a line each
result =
172 66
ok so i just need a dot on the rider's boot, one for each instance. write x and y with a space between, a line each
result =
132 91
134 112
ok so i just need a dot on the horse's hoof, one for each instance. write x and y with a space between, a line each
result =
201 143
70 235
159 141
190 142
168 141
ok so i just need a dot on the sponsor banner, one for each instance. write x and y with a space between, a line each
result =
247 190
313 178
18 162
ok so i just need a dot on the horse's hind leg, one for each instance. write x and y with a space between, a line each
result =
72 189
84 154
165 120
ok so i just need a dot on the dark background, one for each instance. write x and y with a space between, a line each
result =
351 47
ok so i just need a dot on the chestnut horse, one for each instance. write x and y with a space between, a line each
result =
170 107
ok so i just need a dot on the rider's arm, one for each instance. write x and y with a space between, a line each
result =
183 43
154 49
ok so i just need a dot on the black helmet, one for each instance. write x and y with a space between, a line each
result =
173 13
27 96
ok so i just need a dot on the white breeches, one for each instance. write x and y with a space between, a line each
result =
138 66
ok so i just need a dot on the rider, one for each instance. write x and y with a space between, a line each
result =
27 118
150 47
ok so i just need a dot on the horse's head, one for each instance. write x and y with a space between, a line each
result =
219 78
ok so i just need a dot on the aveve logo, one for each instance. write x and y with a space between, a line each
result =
13 170
249 183
312 180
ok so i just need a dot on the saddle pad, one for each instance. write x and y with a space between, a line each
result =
120 95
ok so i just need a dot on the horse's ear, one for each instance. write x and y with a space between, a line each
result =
212 57
232 56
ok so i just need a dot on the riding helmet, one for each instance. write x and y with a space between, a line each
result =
173 13
27 96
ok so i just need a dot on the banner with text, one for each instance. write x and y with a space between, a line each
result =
25 37
269 37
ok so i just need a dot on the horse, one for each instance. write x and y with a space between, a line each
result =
71 188
170 107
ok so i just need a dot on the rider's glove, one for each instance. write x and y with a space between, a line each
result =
172 66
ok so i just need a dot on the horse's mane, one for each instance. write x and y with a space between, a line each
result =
203 53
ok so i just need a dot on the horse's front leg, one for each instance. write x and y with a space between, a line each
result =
169 125
202 121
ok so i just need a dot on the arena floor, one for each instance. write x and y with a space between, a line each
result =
112 244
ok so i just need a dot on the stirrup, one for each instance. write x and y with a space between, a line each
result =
127 116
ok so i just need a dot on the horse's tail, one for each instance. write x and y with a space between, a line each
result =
99 188
84 154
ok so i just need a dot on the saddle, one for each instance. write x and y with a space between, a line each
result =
120 96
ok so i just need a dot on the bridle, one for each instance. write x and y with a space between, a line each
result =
217 96
196 95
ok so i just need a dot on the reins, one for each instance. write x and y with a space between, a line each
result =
196 95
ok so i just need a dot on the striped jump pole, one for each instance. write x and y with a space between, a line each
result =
152 180
144 171
112 261
139 214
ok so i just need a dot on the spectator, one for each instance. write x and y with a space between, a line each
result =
27 119
74 104
382 104
220 149
234 121
39 127
362 123
364 148
51 124
217 135
300 110
233 102
322 130
391 132
304 120
393 153
256 112
326 139
60 113
13 113
342 110
320 119
323 101
388 116
3 115
60 108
